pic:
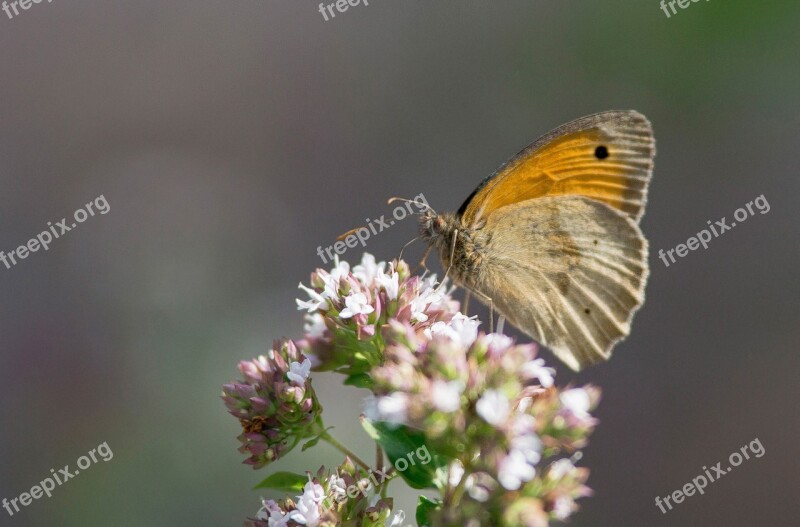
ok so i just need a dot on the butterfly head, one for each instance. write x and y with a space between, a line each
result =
437 229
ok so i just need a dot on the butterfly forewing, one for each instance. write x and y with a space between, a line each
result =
606 156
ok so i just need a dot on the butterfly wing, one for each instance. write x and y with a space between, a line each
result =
606 156
567 270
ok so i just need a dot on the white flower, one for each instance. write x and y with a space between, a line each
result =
393 407
338 487
456 473
514 470
560 468
493 407
368 270
307 513
477 492
530 446
331 289
562 508
272 514
465 328
498 343
313 303
390 408
356 304
341 269
535 369
298 373
308 505
313 491
437 328
577 401
429 283
315 327
447 395
391 283
425 298
524 438
397 520
461 329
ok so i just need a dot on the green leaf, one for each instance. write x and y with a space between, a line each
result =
359 380
312 442
425 508
406 449
284 481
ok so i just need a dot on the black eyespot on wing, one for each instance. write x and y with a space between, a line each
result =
587 311
601 152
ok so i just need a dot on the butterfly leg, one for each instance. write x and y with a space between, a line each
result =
452 252
491 315
421 263
501 322
488 301
467 296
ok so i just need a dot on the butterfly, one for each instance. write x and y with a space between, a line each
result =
552 241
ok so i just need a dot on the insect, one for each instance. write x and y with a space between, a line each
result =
552 241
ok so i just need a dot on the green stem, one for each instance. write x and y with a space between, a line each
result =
462 486
448 489
453 495
390 475
346 451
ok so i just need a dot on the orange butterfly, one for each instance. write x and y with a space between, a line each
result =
551 239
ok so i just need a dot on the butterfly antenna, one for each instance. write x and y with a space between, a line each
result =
415 202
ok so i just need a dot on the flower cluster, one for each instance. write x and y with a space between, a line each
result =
347 309
274 402
344 497
501 440
490 405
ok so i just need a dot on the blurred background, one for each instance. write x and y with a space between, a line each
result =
231 139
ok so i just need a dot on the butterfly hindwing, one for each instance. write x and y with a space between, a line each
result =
567 270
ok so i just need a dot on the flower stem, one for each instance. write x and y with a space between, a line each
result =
459 491
346 451
453 495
